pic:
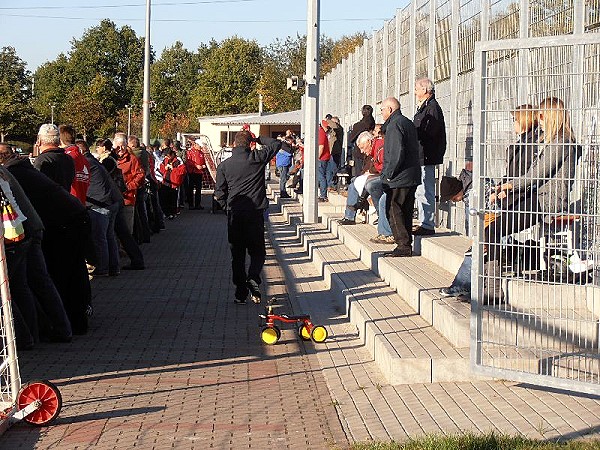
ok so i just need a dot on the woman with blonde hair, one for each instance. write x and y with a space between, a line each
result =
543 191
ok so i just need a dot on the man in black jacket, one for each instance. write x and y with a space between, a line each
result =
240 190
52 160
431 129
367 123
401 174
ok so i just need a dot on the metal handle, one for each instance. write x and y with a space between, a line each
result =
474 212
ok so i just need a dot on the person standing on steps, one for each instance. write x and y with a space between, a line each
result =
431 129
241 191
400 175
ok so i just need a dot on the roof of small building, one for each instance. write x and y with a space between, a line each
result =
284 118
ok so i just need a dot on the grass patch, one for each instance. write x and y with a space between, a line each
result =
471 441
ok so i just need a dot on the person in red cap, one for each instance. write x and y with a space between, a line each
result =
246 127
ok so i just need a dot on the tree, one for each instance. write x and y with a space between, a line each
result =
16 116
337 51
101 74
228 80
174 78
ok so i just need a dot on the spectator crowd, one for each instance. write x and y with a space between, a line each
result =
71 215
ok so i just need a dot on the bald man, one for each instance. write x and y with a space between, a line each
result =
401 174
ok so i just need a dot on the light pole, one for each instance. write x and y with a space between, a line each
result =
52 106
146 96
128 119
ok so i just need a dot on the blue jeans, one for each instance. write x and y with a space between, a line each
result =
332 169
99 223
322 177
425 197
283 178
351 200
383 225
463 276
374 187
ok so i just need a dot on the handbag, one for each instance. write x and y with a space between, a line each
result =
12 220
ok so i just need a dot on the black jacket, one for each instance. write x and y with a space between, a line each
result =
367 123
240 184
401 157
56 207
99 191
56 165
429 121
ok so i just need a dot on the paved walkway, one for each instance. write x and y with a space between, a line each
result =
172 362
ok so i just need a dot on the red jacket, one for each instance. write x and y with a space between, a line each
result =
325 156
169 179
81 182
195 161
377 154
133 175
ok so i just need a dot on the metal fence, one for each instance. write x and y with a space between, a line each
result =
436 38
537 249
536 256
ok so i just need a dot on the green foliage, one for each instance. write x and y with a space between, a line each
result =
16 116
470 441
229 78
102 73
173 79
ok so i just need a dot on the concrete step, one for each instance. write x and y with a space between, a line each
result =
511 334
405 347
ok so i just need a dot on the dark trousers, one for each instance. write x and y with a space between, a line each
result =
64 251
168 199
194 182
399 211
141 225
53 318
26 320
246 233
127 241
520 217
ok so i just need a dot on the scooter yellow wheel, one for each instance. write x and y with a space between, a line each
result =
303 333
318 334
270 335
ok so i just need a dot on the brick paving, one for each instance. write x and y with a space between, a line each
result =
171 362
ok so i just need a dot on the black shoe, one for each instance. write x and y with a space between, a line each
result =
254 289
454 291
420 231
238 301
133 267
323 199
284 195
398 253
346 221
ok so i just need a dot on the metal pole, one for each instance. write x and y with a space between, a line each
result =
311 135
128 120
146 99
52 114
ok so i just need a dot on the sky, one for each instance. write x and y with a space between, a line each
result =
40 30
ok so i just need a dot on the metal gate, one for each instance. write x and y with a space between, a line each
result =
535 310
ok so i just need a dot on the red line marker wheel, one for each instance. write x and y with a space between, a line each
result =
50 397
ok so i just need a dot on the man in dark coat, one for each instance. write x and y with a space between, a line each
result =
52 160
367 123
240 190
431 129
67 226
401 174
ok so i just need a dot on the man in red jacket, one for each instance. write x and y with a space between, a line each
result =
132 173
81 183
196 164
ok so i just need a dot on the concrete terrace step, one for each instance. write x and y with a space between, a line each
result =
417 280
405 347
